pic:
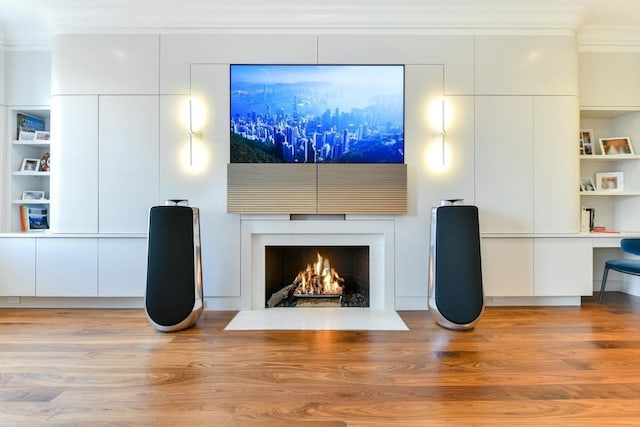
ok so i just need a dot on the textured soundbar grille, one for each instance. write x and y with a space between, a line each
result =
362 189
271 188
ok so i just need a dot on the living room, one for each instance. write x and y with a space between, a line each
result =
495 98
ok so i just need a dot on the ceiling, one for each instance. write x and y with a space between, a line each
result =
28 24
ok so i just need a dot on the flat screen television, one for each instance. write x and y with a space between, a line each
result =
317 113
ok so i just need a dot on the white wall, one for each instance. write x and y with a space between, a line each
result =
177 66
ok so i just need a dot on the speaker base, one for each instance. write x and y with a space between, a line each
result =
188 322
446 323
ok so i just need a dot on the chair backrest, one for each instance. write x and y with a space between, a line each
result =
631 246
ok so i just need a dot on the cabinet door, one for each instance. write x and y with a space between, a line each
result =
504 166
122 267
128 169
74 174
66 267
563 267
507 267
609 79
17 266
556 165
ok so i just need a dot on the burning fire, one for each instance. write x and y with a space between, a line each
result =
318 279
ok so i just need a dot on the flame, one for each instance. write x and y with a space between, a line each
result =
318 279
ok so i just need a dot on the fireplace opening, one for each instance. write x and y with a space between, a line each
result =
317 276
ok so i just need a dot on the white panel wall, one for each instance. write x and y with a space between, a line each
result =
122 267
2 79
205 183
504 165
128 162
74 175
526 65
456 53
28 77
411 253
179 51
610 79
67 267
17 266
105 64
556 202
4 210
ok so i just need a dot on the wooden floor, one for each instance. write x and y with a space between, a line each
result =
576 366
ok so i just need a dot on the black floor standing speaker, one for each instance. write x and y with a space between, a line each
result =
173 298
456 299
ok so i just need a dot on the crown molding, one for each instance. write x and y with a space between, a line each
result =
609 39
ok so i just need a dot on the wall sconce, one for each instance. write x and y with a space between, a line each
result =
443 133
438 154
191 132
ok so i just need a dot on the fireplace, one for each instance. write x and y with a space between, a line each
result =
259 232
317 276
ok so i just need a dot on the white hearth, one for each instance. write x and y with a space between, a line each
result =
258 232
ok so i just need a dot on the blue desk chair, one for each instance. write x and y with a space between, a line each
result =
627 266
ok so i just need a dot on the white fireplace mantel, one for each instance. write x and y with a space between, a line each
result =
257 232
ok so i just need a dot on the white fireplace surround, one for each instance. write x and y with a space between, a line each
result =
257 232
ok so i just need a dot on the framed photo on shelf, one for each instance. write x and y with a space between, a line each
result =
586 184
617 145
41 135
30 165
610 181
33 195
586 142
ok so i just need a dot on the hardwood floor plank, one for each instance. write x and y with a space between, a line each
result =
525 366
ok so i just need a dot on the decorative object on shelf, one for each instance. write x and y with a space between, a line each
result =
34 217
33 195
586 184
28 126
30 165
610 181
616 146
587 219
45 162
42 136
586 142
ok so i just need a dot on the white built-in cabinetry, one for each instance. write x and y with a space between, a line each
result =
20 180
17 266
615 210
610 107
74 120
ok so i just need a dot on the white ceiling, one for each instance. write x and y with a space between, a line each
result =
30 23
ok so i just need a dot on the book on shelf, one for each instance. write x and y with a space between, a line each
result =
28 126
587 219
34 217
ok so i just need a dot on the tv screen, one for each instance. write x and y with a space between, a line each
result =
317 113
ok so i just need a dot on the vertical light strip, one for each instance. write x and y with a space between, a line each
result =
443 133
190 133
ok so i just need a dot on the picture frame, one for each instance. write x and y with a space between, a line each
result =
33 195
586 184
620 145
586 142
41 135
610 181
30 165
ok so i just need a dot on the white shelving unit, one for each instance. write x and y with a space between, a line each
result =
616 210
23 181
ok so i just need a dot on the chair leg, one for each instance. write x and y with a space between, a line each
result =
604 283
